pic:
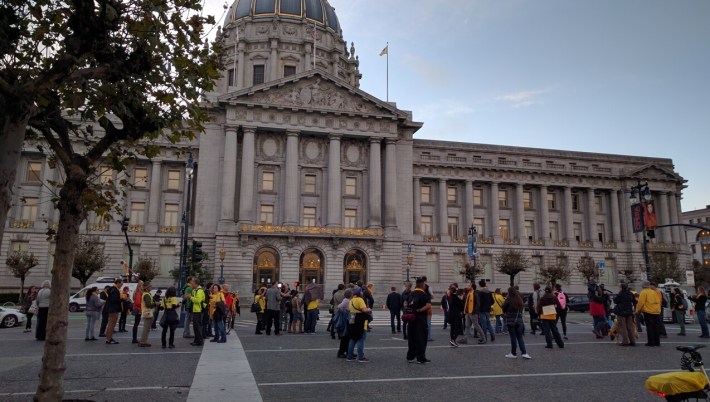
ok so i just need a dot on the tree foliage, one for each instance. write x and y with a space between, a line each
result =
89 258
197 269
95 83
588 269
512 262
472 271
146 268
702 275
554 273
19 263
665 266
628 274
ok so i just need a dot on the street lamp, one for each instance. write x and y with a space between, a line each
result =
641 189
189 171
472 250
222 255
410 259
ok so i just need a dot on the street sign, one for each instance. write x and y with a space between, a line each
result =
637 218
602 265
690 278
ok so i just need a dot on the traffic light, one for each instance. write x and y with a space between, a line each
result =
196 251
651 234
124 224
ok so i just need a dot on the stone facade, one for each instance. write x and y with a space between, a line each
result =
698 239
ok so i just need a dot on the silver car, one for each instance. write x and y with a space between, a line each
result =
10 317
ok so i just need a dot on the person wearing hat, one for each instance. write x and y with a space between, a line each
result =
547 312
358 329
147 306
420 301
649 304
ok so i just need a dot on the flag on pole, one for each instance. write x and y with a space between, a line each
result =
384 51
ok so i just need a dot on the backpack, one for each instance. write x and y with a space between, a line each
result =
562 298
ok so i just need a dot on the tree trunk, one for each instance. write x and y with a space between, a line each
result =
11 139
22 291
512 280
71 214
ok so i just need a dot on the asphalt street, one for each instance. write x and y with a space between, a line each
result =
304 367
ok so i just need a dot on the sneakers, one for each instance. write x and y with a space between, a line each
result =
425 361
527 356
363 360
511 356
348 359
453 343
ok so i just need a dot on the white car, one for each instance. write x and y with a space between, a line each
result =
10 317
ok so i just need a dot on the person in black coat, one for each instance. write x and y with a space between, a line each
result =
394 305
455 302
104 312
624 310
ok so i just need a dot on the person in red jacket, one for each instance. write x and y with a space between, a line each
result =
597 310
137 309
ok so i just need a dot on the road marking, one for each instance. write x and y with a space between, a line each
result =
77 391
472 377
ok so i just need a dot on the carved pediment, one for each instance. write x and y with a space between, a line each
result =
654 172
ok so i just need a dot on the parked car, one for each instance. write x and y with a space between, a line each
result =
10 317
578 303
77 301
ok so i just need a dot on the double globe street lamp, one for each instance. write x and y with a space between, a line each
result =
638 213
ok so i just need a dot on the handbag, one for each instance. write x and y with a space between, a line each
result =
33 308
409 314
164 320
255 307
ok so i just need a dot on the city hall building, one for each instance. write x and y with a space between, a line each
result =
302 176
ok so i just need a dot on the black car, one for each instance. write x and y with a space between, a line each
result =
578 303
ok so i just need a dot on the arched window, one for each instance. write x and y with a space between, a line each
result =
311 266
267 266
354 267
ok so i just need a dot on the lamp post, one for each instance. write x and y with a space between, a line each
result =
410 259
638 191
472 250
222 255
189 170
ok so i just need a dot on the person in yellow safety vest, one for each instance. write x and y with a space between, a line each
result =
470 310
197 297
147 306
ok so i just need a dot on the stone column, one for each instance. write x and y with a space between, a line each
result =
591 216
520 214
375 175
544 216
273 61
45 194
291 196
469 204
443 209
568 216
615 217
240 67
229 175
334 186
417 197
663 217
246 196
675 218
390 183
681 233
308 62
495 214
155 187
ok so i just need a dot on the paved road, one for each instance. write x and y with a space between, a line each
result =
304 367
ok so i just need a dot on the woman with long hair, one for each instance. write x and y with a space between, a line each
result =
171 305
28 308
513 309
217 313
93 311
259 298
700 299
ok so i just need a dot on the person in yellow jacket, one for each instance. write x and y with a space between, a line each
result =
217 314
199 303
498 301
470 310
259 298
649 304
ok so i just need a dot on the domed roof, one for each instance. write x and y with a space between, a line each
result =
318 11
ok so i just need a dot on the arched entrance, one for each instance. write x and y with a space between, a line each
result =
355 267
267 265
311 266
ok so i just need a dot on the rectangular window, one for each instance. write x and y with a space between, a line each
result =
600 232
488 267
451 195
266 215
609 277
167 259
551 201
258 74
29 209
34 172
432 267
577 228
350 218
20 245
478 197
309 216
503 198
171 215
137 213
426 194
309 184
504 228
527 200
575 202
105 175
530 229
289 70
267 181
230 77
562 261
140 177
598 204
480 225
173 180
453 225
535 264
351 185
554 231
426 226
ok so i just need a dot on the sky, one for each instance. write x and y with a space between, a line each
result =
623 77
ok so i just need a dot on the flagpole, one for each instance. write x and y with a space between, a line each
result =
388 71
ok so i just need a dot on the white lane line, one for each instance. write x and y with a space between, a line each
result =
77 391
122 354
472 377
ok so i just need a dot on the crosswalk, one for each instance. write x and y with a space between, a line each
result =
381 319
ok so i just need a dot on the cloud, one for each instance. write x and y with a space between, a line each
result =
522 98
447 108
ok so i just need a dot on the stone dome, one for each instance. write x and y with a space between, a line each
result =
313 11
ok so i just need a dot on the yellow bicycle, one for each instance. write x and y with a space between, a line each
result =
677 386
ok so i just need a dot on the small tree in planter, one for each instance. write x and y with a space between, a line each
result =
89 259
588 269
511 263
20 263
627 274
146 268
557 272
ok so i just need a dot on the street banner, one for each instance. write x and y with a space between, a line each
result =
690 278
637 212
649 215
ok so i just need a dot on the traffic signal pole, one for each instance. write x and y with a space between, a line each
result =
124 229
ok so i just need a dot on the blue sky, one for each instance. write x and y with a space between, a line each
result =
622 77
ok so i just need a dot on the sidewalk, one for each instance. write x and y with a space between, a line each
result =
223 373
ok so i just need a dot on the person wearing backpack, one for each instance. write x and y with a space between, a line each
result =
679 307
498 300
624 311
562 312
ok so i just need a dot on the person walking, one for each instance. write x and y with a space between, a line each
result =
445 306
455 302
171 319
273 309
261 300
42 310
394 305
93 312
498 300
358 329
547 311
513 310
296 324
678 307
147 313
562 312
624 310
187 305
218 309
136 309
470 311
113 304
419 301
700 300
649 304
343 310
197 297
597 310
29 307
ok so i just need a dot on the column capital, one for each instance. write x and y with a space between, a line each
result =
334 136
230 129
293 133
390 141
441 180
156 162
375 140
249 129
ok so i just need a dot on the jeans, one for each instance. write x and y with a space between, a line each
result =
516 337
186 325
284 320
472 321
136 323
500 324
311 320
220 335
360 347
680 317
172 333
91 318
485 321
156 319
197 328
599 323
562 316
147 321
703 323
549 328
393 315
428 329
29 321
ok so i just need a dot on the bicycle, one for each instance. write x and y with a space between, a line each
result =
679 386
